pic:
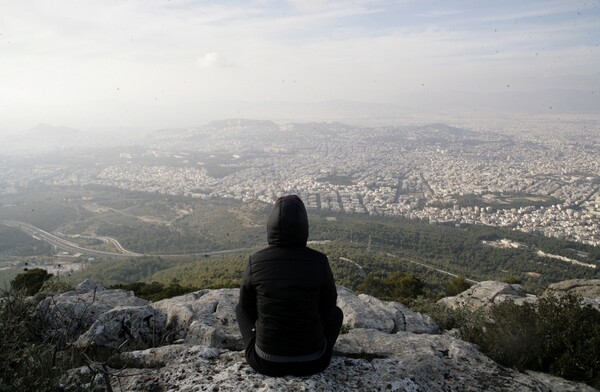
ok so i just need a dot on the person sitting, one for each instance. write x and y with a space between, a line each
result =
287 309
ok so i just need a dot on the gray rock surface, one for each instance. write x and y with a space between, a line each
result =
72 313
88 286
588 289
380 352
204 317
404 318
366 360
126 327
488 293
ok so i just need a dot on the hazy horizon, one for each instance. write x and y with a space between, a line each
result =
178 63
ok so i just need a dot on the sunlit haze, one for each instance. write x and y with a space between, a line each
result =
150 64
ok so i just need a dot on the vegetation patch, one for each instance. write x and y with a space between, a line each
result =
559 335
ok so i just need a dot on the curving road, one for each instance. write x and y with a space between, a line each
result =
61 243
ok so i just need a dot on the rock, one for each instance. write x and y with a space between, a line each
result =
588 289
126 327
379 352
365 311
68 315
487 293
87 286
361 314
585 288
204 317
367 360
404 319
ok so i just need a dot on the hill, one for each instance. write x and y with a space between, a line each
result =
175 236
192 341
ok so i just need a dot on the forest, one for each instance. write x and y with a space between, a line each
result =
361 248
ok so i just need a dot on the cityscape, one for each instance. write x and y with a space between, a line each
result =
537 179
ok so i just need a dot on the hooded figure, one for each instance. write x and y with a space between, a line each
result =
287 312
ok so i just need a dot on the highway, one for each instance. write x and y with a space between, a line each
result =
61 243
65 245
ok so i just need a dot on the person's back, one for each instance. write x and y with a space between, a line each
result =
287 313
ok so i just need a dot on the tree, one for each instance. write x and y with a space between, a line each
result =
457 285
403 285
31 280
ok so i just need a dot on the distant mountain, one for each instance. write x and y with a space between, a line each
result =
242 125
444 129
45 130
44 138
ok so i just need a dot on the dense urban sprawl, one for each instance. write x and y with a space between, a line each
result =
547 182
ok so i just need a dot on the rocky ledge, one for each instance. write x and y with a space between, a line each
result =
192 343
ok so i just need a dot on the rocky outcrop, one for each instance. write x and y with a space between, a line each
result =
366 360
68 315
385 346
365 311
588 289
204 317
127 327
488 293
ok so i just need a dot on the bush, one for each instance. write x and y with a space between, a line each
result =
558 335
396 286
31 280
456 286
56 286
569 336
512 280
155 291
26 363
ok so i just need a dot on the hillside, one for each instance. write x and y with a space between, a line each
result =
192 342
173 238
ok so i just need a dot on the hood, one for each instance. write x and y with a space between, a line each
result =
288 222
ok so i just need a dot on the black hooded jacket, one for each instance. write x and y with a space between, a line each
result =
288 288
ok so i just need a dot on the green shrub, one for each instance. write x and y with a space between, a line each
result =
396 286
569 336
512 280
56 286
31 280
558 335
26 363
508 334
456 286
155 291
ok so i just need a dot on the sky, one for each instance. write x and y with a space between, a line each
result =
158 63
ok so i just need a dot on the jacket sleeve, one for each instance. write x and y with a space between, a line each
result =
328 294
248 294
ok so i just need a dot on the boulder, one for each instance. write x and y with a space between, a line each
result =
488 293
588 289
88 286
361 314
126 327
204 317
404 319
68 315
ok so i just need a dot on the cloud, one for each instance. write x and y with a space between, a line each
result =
60 52
213 60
